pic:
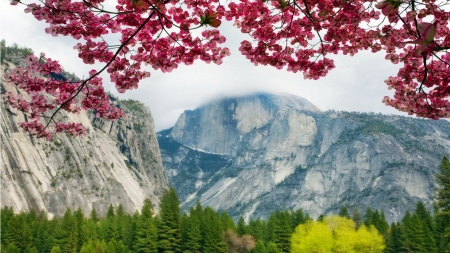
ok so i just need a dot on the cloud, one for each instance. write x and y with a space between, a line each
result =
357 83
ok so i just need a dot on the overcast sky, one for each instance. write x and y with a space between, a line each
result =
356 84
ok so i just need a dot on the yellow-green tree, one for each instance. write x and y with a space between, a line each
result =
312 237
343 230
369 240
336 234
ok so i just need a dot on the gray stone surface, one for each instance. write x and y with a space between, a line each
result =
256 154
116 163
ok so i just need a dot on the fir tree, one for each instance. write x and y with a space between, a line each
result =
191 232
443 203
227 221
280 230
256 229
19 232
146 236
169 227
356 217
298 217
259 247
241 228
212 232
66 236
93 216
368 217
428 226
343 212
393 241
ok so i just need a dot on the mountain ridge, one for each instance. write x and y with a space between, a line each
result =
297 158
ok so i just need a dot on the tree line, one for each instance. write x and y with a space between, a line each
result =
203 229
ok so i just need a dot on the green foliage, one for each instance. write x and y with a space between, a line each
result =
335 234
443 199
13 52
132 105
206 230
343 212
169 225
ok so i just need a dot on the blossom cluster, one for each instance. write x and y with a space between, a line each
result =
296 35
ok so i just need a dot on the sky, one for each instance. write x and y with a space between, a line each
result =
356 84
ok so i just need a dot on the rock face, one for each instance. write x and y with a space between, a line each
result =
116 163
256 154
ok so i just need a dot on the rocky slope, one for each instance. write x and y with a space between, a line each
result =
252 155
116 163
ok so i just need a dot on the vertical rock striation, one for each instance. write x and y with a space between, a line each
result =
116 163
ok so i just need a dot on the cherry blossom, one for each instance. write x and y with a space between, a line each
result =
295 35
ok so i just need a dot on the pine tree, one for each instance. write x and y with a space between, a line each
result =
66 236
356 217
280 230
191 232
19 232
241 228
227 221
260 247
120 223
393 241
343 212
146 236
80 221
272 248
6 214
93 217
368 217
212 232
298 217
428 226
256 229
169 227
443 203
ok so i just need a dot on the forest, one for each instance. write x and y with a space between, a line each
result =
204 229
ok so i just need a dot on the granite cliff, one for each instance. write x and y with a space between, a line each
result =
116 163
253 155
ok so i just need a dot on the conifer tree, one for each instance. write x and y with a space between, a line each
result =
393 241
146 235
191 232
298 217
212 232
169 225
272 248
227 221
428 226
120 223
443 203
256 229
12 248
19 232
368 217
80 222
66 236
6 214
241 228
356 217
93 216
280 230
130 230
259 247
44 239
343 212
